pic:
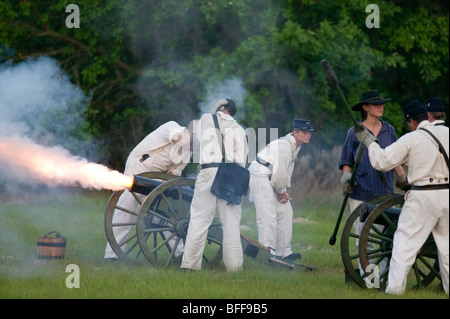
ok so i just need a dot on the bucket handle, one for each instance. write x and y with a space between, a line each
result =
58 235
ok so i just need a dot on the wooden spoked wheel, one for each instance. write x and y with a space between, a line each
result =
163 223
350 238
378 255
128 249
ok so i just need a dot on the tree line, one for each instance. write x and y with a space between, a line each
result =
144 62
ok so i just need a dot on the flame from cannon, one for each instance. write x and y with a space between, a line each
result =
55 166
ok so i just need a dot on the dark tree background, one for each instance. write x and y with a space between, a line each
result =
144 62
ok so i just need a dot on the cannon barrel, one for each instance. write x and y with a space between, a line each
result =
145 186
392 212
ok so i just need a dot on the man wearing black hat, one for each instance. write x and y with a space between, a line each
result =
426 206
204 204
270 176
435 110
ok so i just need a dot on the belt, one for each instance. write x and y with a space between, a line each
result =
209 165
262 162
429 187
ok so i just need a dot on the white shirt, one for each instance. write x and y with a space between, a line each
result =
163 135
171 158
281 154
438 122
235 141
426 165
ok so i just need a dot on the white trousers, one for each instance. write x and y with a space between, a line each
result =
358 226
126 200
203 210
273 219
424 212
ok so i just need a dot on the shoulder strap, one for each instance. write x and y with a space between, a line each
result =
219 135
441 148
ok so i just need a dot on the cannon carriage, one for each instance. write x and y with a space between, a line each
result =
159 225
161 218
371 247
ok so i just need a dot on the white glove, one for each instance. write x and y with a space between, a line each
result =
347 187
364 136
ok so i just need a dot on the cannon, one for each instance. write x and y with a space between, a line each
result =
160 225
160 222
373 245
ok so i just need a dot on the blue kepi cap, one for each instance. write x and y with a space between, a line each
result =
434 104
412 108
301 124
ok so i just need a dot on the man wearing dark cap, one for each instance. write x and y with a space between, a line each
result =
270 176
435 110
426 206
204 204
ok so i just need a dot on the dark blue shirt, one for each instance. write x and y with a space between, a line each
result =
369 183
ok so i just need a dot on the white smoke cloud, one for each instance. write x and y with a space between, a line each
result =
55 166
41 118
232 88
38 100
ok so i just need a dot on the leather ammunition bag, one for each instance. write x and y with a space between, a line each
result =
231 180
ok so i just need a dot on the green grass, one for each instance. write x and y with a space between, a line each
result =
78 215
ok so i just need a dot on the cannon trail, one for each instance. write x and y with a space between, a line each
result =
55 166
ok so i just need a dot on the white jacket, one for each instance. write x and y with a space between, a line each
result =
281 154
234 137
426 166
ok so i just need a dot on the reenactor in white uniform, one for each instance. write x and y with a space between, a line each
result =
167 150
426 206
270 177
204 204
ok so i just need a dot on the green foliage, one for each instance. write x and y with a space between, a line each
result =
147 62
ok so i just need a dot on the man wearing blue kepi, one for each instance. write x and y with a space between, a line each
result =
270 176
435 110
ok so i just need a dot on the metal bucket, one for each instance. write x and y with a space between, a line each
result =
51 247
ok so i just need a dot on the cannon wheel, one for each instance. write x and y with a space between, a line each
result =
128 250
426 265
162 226
349 250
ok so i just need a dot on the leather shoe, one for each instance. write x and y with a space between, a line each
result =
291 257
111 260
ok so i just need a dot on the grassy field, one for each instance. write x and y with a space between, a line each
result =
78 215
